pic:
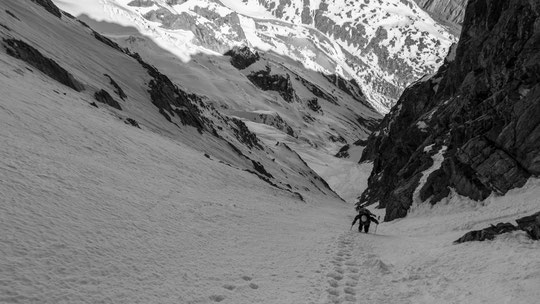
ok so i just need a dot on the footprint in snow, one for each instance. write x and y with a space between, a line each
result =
333 283
349 290
254 286
229 286
246 278
217 298
333 292
336 276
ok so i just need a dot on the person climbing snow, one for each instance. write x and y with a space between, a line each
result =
364 218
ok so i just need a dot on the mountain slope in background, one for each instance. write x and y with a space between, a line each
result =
448 12
473 127
382 45
313 112
98 70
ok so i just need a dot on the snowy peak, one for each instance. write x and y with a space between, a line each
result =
388 44
383 45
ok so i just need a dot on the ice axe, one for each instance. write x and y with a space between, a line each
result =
378 218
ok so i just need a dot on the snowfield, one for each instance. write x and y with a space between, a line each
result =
93 210
96 211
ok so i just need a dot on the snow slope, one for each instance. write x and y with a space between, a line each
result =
94 210
75 48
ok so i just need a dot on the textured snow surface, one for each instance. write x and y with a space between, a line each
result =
94 210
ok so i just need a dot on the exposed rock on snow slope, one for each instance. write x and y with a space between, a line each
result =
482 105
98 69
383 45
313 110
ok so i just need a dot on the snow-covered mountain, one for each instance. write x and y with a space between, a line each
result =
120 185
382 45
95 69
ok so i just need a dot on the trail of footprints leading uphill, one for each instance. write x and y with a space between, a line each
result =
344 274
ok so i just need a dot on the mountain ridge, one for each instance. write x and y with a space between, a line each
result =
368 49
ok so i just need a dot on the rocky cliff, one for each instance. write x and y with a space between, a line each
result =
474 126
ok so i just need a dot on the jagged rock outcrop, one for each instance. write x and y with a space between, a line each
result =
313 105
244 135
106 98
21 50
242 57
50 7
475 125
486 233
530 224
117 89
274 82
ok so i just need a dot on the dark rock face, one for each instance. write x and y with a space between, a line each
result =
133 122
108 42
313 104
343 152
117 88
260 168
482 106
530 224
49 67
242 57
487 233
50 7
170 100
12 15
279 83
104 97
244 135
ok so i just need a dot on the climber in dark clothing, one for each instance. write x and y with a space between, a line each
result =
364 218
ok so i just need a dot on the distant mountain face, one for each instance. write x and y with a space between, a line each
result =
448 12
474 127
383 45
254 111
